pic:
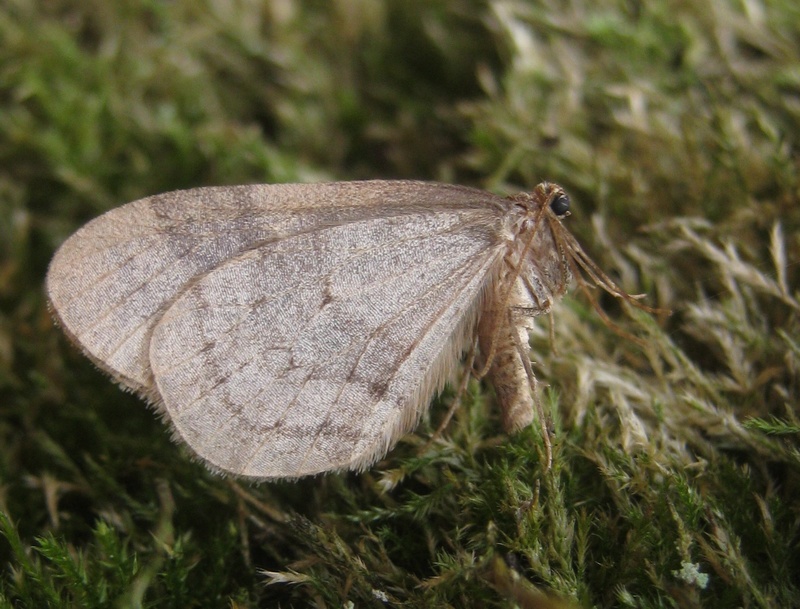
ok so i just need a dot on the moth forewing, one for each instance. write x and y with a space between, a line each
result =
111 281
289 330
323 364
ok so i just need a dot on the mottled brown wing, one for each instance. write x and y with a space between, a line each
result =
315 352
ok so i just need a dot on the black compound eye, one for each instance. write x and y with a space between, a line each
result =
560 204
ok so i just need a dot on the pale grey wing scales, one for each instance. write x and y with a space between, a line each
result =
109 283
317 351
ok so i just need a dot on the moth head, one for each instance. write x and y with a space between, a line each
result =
582 268
557 200
547 196
552 257
539 262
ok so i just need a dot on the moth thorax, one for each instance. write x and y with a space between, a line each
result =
540 269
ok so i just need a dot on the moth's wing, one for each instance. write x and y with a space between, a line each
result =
110 282
317 351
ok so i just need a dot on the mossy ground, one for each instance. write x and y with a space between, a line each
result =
674 125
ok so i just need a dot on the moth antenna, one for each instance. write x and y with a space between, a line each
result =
600 278
616 329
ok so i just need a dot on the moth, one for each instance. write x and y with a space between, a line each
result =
292 329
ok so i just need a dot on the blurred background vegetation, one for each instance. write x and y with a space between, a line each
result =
673 124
